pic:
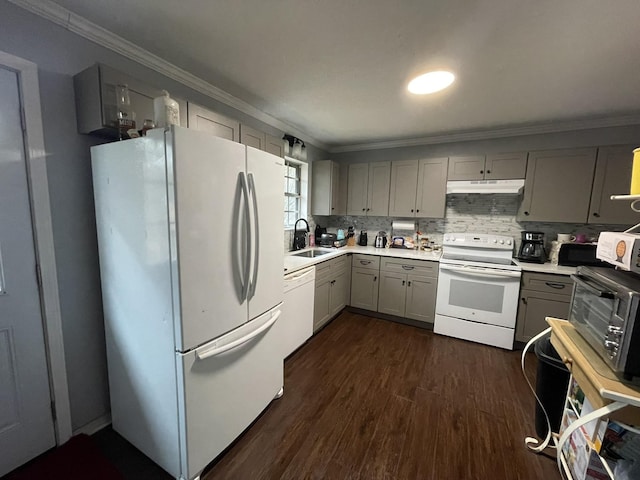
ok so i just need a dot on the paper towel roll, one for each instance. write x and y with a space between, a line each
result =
400 225
635 173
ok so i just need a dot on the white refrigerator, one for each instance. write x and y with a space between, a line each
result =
191 260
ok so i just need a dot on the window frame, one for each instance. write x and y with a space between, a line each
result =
303 189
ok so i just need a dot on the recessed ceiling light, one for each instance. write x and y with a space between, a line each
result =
431 82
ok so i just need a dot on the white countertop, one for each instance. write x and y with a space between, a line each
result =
293 263
545 268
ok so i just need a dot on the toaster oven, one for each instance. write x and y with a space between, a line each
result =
605 311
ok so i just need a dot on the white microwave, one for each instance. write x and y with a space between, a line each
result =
620 249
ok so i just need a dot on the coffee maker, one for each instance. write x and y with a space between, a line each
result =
532 248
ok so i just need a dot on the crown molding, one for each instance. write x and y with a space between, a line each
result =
103 37
488 134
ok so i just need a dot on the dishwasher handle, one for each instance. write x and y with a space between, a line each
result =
299 276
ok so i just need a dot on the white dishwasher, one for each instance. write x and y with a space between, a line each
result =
296 323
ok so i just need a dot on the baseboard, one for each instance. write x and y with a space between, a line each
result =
95 425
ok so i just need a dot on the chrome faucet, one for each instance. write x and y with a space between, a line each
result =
299 238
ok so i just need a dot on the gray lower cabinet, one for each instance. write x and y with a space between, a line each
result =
408 288
421 298
332 289
365 273
541 295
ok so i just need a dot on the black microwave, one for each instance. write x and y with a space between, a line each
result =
576 254
605 310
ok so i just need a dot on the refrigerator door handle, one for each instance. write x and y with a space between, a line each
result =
256 233
247 250
213 350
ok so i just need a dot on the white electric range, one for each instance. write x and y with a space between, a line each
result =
478 289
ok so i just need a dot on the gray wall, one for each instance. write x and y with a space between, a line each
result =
59 55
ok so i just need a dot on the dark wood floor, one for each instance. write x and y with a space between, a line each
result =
372 399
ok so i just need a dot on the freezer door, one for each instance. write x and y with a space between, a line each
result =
225 385
265 173
208 235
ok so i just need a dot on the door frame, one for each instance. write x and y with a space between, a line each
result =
35 158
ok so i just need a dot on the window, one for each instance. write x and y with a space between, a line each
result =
292 197
295 191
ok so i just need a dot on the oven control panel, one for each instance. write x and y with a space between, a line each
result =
475 240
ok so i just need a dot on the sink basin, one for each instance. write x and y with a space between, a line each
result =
310 253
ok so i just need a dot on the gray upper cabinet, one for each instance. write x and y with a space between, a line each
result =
558 186
274 145
96 109
431 197
418 188
612 177
205 120
495 166
505 166
327 197
252 137
357 189
466 168
404 185
368 191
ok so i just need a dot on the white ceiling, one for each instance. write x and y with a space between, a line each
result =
337 70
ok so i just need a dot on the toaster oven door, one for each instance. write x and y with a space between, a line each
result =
593 312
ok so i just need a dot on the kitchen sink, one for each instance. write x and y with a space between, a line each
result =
311 253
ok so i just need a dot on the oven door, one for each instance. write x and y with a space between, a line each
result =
480 294
593 310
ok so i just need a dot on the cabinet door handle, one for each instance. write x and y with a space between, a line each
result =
526 213
524 300
365 262
408 267
557 286
333 208
481 172
596 214
364 209
375 278
418 210
409 283
412 210
332 282
368 209
488 171
403 283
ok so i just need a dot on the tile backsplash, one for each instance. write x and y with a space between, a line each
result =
477 213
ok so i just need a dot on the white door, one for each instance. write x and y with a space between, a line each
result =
265 174
26 424
480 294
224 386
213 263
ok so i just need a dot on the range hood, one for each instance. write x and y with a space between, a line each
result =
485 186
